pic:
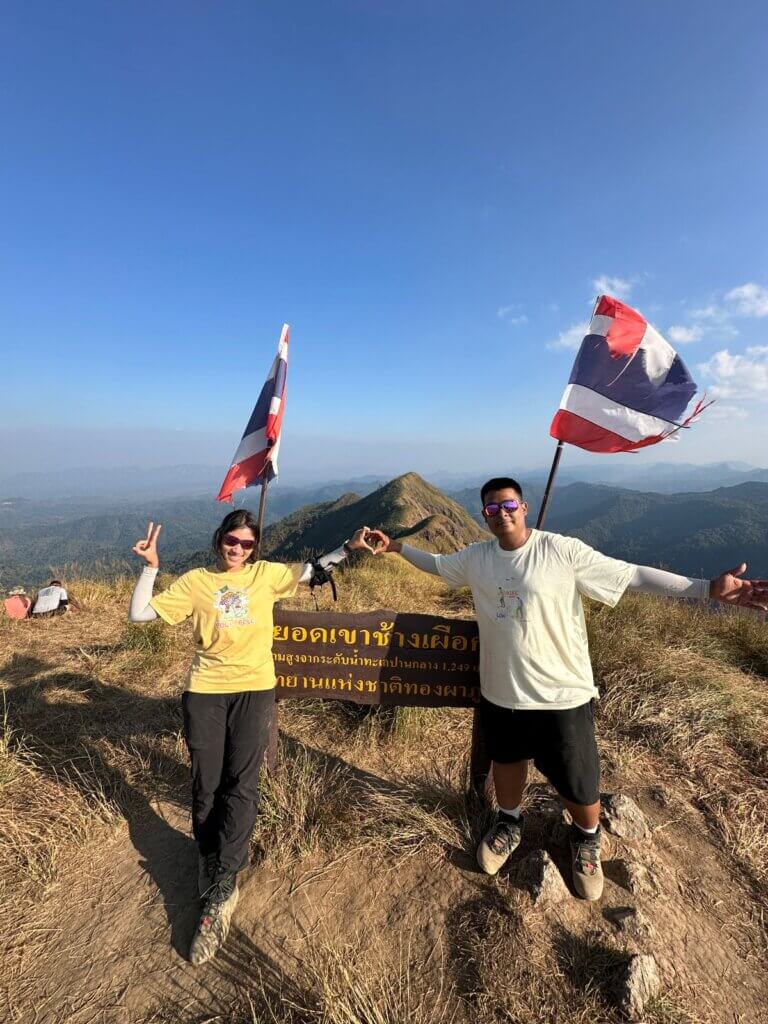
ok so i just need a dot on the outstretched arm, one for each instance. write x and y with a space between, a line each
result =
359 541
726 588
424 560
646 580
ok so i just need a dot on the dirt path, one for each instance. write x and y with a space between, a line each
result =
109 942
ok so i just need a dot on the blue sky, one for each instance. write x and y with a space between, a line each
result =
430 193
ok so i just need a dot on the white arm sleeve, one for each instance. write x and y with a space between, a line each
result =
328 561
140 610
667 584
423 560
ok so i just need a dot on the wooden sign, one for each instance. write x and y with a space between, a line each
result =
380 657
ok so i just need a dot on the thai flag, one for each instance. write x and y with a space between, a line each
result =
628 387
256 457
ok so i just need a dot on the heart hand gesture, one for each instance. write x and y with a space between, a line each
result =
359 540
147 547
381 543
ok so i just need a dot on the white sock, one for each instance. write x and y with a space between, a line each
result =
587 831
513 812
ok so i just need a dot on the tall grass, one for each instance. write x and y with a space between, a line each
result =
91 728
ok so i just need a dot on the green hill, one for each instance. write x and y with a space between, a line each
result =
407 508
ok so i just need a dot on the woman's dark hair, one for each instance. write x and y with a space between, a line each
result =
501 483
235 521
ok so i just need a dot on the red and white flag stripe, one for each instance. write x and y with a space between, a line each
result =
256 455
628 387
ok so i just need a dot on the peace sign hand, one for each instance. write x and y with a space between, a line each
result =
147 547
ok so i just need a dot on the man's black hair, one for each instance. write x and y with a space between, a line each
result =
500 483
54 582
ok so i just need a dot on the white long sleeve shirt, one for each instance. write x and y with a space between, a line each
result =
533 635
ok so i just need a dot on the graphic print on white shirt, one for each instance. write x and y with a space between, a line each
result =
533 635
510 604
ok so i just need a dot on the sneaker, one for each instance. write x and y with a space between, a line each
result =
206 868
213 926
585 862
501 840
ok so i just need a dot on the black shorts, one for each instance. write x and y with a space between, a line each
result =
560 743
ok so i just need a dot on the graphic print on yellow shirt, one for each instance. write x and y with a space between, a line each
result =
232 606
232 620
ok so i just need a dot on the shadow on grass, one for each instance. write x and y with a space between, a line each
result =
590 964
245 984
71 723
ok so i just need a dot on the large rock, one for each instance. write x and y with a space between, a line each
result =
636 984
629 922
635 878
623 817
539 875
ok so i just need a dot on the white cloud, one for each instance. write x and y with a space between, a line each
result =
726 412
510 316
681 335
571 338
705 321
618 287
712 313
749 299
738 376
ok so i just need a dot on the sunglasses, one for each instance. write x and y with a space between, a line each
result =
232 541
494 507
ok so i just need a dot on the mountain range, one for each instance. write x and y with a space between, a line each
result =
697 533
134 484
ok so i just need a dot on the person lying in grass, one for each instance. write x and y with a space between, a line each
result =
536 683
229 697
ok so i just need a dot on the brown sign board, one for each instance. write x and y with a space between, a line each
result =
380 657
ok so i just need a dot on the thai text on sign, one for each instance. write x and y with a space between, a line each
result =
380 657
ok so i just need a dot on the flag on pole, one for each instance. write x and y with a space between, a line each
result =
256 457
628 387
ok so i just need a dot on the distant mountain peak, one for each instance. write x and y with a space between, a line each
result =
404 507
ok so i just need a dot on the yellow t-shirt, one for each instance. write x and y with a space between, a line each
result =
232 619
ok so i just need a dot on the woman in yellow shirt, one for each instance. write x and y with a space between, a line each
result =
230 695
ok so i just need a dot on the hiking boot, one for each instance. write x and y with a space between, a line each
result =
585 862
212 928
206 868
501 840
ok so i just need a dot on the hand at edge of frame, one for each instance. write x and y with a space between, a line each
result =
729 588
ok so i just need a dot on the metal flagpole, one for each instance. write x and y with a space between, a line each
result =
262 508
548 488
270 754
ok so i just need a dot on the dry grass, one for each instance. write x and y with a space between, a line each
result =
689 688
91 733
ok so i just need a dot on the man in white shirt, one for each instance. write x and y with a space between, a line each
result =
51 600
537 688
